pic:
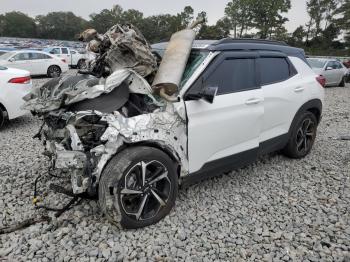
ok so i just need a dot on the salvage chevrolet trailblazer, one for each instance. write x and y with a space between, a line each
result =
143 120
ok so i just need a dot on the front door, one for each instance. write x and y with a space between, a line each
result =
231 124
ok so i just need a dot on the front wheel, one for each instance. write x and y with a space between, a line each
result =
138 187
81 64
54 71
342 82
302 136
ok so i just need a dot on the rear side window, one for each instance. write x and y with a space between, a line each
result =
55 51
274 70
233 75
64 51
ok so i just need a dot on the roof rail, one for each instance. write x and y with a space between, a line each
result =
250 41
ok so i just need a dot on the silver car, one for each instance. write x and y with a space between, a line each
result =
333 70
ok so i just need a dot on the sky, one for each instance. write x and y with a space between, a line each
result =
215 9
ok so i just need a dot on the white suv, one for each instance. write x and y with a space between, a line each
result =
238 99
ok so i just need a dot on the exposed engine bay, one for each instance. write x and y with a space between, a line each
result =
123 98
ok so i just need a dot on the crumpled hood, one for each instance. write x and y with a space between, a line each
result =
66 90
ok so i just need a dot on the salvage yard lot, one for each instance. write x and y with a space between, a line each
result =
275 209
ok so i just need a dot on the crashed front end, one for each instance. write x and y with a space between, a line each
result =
124 98
82 143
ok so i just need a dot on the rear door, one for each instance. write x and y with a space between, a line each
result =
35 61
283 91
231 124
22 61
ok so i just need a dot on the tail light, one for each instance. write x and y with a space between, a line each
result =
322 80
20 80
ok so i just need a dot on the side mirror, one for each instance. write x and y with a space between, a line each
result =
11 59
208 94
329 68
52 52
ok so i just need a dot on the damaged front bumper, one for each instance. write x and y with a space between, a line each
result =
71 154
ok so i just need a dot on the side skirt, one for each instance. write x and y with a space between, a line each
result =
227 164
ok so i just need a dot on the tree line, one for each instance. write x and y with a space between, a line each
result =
329 21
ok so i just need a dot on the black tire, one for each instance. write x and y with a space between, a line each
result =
342 82
123 198
81 64
3 117
54 71
303 135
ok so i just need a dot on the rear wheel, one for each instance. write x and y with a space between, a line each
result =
138 187
302 137
3 117
54 71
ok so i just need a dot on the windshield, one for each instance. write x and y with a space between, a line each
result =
6 55
316 63
194 61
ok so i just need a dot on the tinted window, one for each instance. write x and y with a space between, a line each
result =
232 75
55 51
274 70
64 51
338 65
22 56
39 56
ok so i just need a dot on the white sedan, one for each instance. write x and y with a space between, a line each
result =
36 62
14 85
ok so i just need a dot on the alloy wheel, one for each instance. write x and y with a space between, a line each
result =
145 190
55 71
305 135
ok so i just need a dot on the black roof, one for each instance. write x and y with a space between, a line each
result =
231 44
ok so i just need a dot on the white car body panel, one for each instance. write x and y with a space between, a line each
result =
224 128
282 100
229 126
35 66
11 94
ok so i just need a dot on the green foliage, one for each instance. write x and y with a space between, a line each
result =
267 16
60 25
240 15
17 24
344 21
243 18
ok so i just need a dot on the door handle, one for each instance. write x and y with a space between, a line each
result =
299 89
253 101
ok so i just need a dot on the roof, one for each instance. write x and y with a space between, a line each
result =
231 44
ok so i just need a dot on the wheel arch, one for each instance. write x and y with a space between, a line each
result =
3 108
163 147
314 106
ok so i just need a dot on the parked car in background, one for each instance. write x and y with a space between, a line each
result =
333 70
74 58
4 50
36 62
14 84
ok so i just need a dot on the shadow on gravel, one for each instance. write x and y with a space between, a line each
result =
16 123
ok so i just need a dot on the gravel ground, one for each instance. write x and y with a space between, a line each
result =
276 209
